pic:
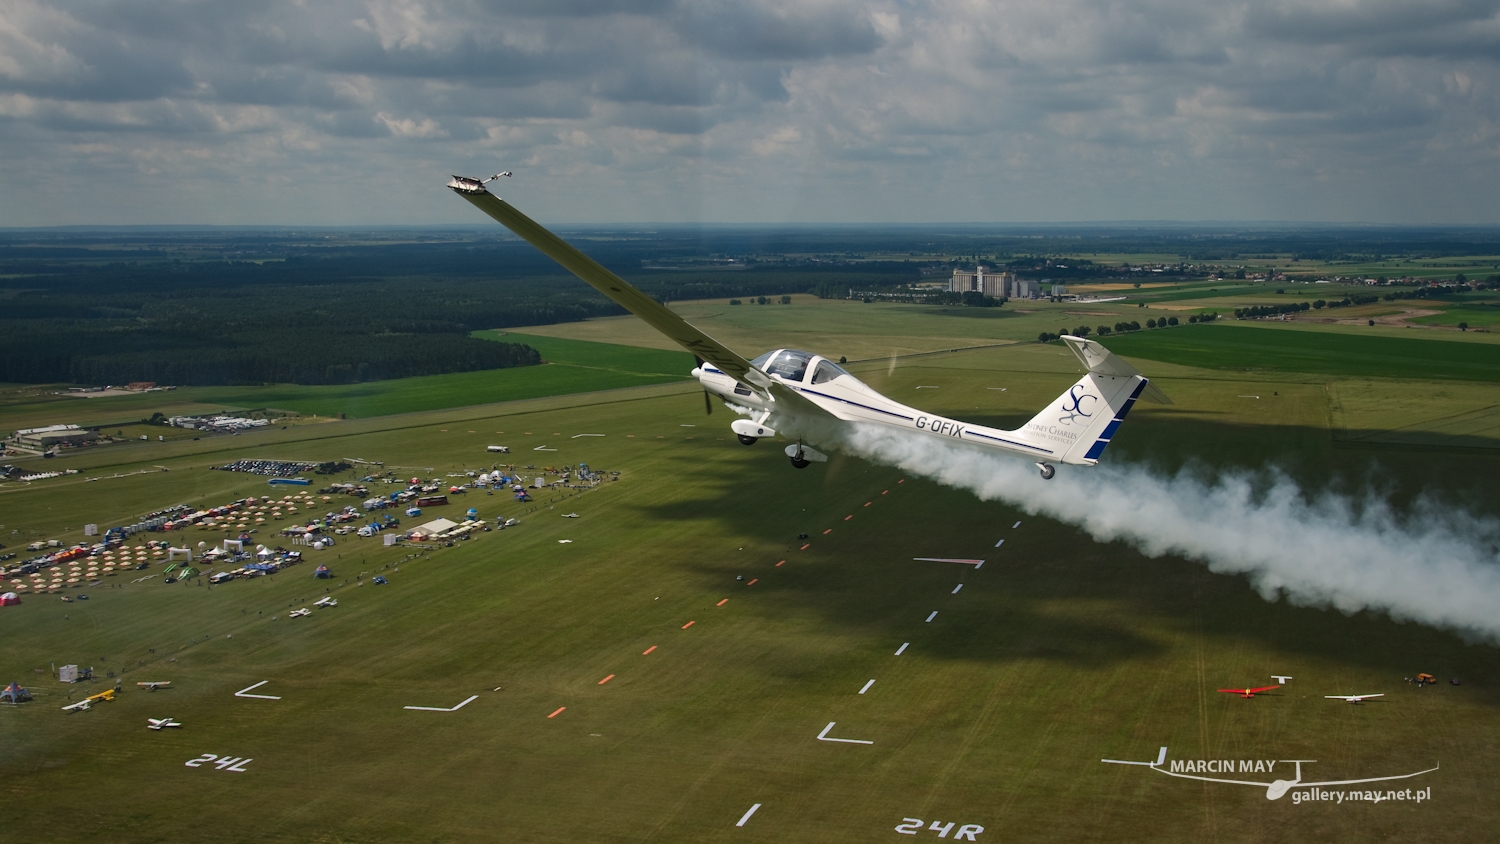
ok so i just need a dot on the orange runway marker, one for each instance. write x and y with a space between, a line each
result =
901 481
778 565
605 680
752 581
722 603
689 624
884 491
805 547
867 503
847 518
648 650
558 712
826 532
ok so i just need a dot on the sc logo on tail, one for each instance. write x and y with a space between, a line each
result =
1077 405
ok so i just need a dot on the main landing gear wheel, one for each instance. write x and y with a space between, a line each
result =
1047 471
798 462
744 440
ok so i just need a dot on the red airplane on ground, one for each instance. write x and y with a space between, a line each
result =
1248 692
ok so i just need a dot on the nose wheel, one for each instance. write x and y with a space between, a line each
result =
1047 471
744 440
798 462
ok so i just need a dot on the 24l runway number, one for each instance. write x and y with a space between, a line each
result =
223 763
967 832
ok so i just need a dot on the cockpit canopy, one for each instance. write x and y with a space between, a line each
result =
793 365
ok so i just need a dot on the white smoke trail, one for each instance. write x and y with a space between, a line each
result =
1438 567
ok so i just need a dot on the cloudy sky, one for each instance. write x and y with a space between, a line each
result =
356 111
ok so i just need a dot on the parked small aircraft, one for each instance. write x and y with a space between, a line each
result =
161 723
153 685
1353 698
1248 692
570 515
299 613
813 400
326 602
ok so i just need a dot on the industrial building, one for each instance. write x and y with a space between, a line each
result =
1001 285
54 435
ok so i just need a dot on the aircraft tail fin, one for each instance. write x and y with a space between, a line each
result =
1079 424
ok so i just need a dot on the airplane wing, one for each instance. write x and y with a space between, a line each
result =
625 295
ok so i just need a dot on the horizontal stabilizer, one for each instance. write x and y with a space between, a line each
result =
1101 361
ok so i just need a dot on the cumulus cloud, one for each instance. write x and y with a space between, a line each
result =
917 110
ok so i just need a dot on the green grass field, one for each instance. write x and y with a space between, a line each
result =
1057 653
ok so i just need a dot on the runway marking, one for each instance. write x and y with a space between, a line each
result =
901 480
867 687
442 708
557 712
823 736
689 624
746 816
956 588
778 565
934 615
752 581
975 563
884 491
576 436
1016 525
868 503
902 649
722 603
606 679
826 532
648 650
805 547
244 692
998 544
848 517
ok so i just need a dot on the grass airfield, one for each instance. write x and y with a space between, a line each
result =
1056 653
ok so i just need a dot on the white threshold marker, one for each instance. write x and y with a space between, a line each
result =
444 708
956 588
902 649
867 687
245 692
1016 525
998 544
746 816
823 736
931 617
576 436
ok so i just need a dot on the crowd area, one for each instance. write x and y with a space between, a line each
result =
293 517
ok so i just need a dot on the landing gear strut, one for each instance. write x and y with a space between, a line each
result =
1047 471
744 440
798 461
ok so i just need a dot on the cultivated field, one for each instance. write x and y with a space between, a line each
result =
1056 653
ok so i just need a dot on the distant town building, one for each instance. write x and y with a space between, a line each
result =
1021 288
996 285
1059 290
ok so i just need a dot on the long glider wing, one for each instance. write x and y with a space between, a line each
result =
654 313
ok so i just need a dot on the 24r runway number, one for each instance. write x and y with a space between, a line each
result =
223 763
967 832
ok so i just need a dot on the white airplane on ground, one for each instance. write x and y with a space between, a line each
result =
570 515
811 399
299 613
1353 698
326 602
153 685
81 706
160 723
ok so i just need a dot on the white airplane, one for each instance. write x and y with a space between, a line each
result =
153 685
1353 698
811 399
326 602
81 706
160 723
299 613
570 515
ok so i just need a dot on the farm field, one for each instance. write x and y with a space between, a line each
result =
1058 652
